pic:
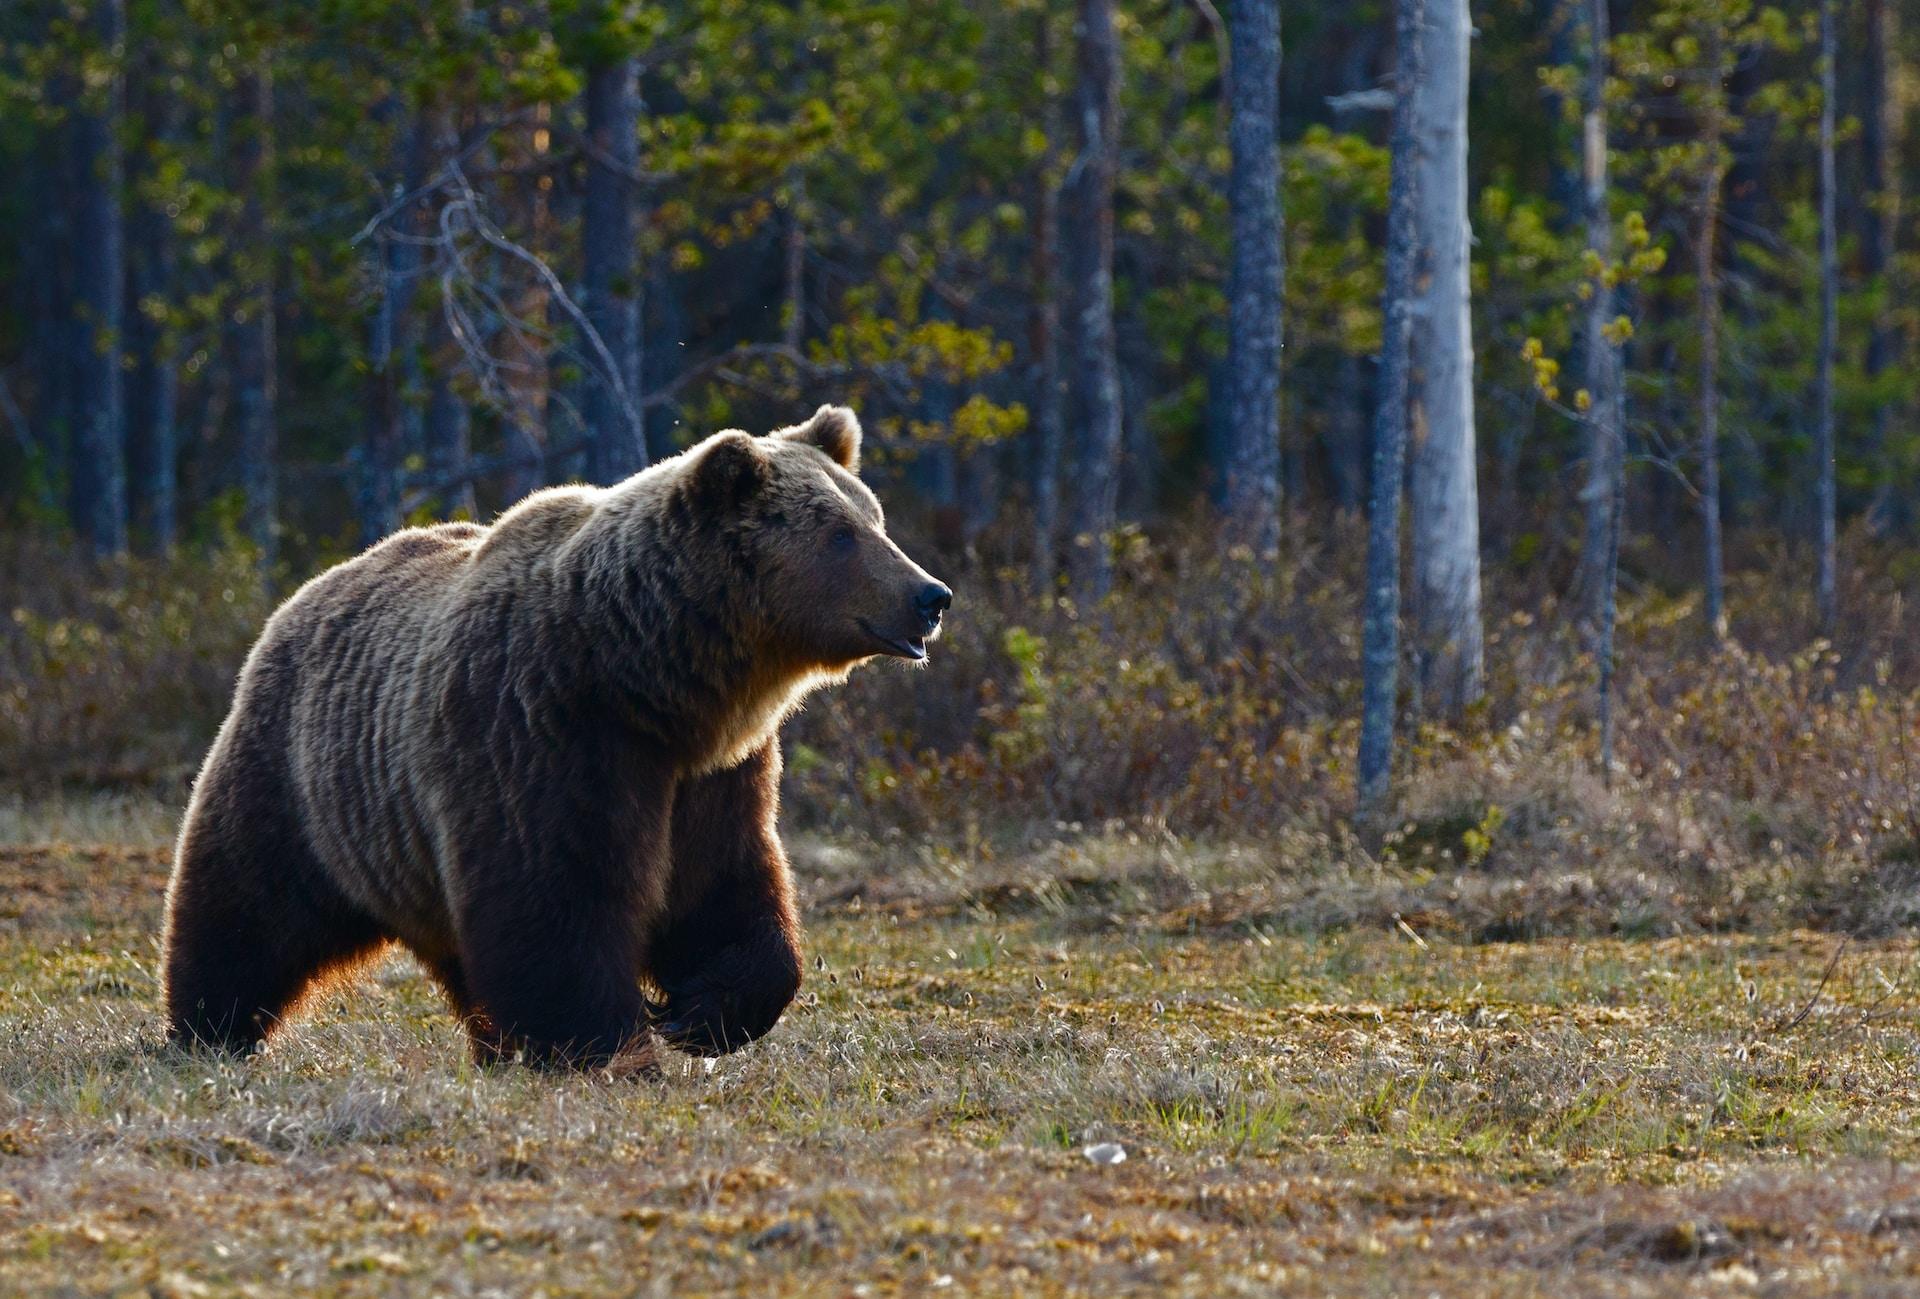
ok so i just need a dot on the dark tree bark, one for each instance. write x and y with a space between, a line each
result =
1089 207
50 269
1564 20
1824 582
667 327
1381 654
1044 331
99 463
1140 472
47 271
250 329
1444 478
793 247
1881 141
1346 437
611 283
448 424
1254 279
1707 286
569 367
393 348
152 396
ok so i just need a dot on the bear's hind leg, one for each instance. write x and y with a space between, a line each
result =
252 921
483 1039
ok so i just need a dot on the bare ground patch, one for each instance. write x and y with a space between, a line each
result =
1369 1109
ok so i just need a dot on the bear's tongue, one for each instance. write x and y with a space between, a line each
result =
911 647
906 647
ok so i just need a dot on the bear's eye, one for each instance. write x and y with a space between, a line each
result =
842 538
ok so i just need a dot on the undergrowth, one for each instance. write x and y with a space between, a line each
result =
1774 779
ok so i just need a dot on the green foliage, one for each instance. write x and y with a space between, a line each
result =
905 146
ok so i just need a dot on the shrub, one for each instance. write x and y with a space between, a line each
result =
1772 779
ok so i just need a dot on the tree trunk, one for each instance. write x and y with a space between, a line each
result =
1346 437
793 247
1381 655
153 383
569 366
380 451
1254 280
1096 369
1601 360
1606 462
1140 472
449 438
1829 329
250 330
1044 328
1446 509
448 424
99 463
49 269
611 288
1564 20
1881 141
667 328
1047 414
1707 284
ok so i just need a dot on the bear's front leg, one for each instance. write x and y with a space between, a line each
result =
728 953
551 935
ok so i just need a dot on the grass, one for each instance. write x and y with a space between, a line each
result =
1341 1105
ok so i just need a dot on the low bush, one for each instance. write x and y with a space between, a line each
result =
1773 779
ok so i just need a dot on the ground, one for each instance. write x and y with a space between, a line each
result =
1375 1110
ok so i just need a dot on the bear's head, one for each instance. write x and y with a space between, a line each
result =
831 586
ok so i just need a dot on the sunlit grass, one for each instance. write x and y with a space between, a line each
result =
1346 1109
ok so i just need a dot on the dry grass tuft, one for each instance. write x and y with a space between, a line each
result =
1342 1109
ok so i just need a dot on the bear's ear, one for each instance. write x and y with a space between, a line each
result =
729 468
835 430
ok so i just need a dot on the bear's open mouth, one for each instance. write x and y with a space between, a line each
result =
906 647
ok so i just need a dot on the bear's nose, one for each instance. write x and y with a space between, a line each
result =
934 599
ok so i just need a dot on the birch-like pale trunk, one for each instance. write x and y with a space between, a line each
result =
1444 487
1606 459
1601 360
1096 371
1255 276
1381 653
611 282
1824 581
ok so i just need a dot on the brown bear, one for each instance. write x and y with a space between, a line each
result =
542 756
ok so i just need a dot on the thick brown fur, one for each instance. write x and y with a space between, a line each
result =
543 756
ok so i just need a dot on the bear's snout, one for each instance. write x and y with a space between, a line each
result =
934 599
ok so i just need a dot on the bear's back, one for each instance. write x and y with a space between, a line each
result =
534 530
345 653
